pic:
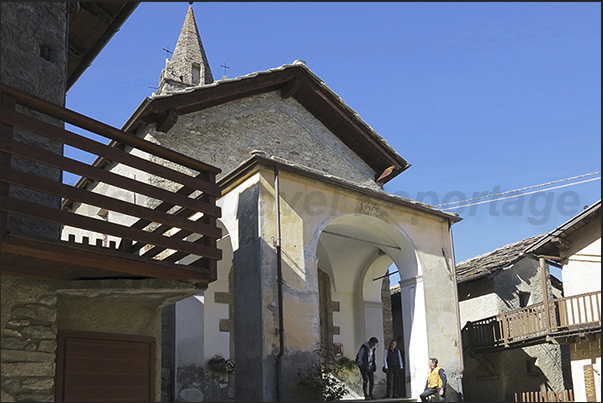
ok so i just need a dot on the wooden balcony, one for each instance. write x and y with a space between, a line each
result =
565 317
167 229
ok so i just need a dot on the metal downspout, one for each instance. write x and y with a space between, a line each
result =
279 276
458 310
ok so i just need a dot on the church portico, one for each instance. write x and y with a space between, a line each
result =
337 243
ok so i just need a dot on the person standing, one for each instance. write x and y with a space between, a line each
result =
436 381
392 365
365 358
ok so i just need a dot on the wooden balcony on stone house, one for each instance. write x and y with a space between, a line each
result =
565 318
172 235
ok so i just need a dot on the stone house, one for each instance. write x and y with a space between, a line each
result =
576 246
80 321
500 281
307 234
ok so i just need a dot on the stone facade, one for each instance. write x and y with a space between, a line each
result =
225 135
512 285
28 340
34 57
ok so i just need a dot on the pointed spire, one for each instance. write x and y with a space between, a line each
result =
189 66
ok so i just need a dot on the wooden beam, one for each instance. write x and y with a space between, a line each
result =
110 178
167 120
48 186
99 259
97 12
561 243
103 227
8 103
545 294
290 88
25 122
105 130
386 174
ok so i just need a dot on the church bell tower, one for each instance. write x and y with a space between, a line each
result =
188 66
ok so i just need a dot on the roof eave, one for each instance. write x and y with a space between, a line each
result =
539 247
236 175
294 80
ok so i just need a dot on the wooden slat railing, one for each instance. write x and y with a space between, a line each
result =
548 396
175 218
566 315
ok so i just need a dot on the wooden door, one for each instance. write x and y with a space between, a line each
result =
104 367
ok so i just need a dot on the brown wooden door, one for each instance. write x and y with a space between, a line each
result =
103 367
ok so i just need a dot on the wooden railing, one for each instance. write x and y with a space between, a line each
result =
171 217
548 396
565 315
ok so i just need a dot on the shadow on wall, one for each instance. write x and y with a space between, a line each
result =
452 395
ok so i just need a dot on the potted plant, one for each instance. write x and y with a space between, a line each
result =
217 363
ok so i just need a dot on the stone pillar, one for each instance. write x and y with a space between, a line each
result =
248 325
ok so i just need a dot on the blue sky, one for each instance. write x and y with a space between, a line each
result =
480 98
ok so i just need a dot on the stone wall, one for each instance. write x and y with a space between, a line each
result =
34 56
28 340
497 376
224 136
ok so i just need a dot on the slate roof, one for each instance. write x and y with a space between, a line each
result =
294 80
483 265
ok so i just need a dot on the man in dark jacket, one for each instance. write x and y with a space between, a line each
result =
365 358
392 366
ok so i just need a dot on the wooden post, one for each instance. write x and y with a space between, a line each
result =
545 294
7 131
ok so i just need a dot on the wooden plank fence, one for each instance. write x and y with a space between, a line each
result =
548 396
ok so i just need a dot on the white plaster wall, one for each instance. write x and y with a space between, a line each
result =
346 320
582 273
189 331
418 239
415 334
479 307
578 379
421 239
216 342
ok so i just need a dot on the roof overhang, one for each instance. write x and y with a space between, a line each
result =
294 80
549 245
91 27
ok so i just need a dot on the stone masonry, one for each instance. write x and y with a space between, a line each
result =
28 342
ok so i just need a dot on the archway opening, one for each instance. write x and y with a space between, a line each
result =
356 255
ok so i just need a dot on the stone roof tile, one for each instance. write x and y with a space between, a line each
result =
490 262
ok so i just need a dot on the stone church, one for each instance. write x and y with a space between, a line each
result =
308 236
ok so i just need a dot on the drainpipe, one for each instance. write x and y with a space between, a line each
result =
457 307
279 279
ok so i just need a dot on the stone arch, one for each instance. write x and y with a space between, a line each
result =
358 251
